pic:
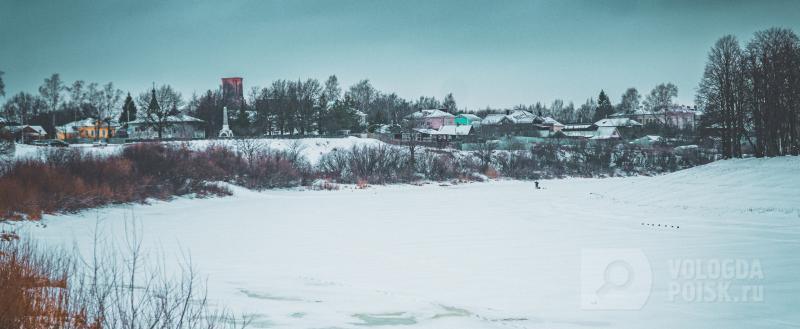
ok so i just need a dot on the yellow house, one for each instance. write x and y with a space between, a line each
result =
88 129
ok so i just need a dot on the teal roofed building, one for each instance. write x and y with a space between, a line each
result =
467 119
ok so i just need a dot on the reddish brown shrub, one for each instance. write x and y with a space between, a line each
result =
68 181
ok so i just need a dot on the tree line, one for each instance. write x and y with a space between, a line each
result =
661 97
748 94
752 93
283 107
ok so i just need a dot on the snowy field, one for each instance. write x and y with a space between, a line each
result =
485 255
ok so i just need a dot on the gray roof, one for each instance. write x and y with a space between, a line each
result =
494 118
617 122
171 119
551 122
521 116
451 130
433 113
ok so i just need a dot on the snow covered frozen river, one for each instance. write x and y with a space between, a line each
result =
491 255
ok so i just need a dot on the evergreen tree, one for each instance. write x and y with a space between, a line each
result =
604 107
155 117
342 115
241 122
128 110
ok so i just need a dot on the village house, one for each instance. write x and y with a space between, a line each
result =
683 117
547 126
519 123
444 133
591 132
609 128
87 128
431 119
552 124
179 126
27 133
468 119
678 116
495 125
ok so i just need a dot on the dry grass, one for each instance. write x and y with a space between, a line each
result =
33 289
117 287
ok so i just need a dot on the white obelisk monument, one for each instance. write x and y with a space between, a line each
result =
226 131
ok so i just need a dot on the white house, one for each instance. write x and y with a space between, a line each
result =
180 126
680 116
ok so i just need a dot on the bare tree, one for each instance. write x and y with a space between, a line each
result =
409 129
721 94
660 99
586 111
94 106
773 72
22 106
484 153
332 90
363 94
161 105
249 149
77 97
109 101
51 91
629 101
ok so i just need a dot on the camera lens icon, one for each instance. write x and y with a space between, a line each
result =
614 279
618 276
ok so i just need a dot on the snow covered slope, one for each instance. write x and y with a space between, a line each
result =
482 255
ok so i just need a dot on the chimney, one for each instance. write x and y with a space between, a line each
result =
508 112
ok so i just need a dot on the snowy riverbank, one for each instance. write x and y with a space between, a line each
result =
478 255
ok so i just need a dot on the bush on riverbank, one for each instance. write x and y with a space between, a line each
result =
68 180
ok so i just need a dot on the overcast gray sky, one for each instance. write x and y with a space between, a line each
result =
497 53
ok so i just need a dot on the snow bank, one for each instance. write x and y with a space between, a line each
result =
752 184
25 151
311 148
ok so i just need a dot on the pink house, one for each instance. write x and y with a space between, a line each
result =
431 119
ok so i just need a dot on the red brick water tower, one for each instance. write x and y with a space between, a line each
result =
233 92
